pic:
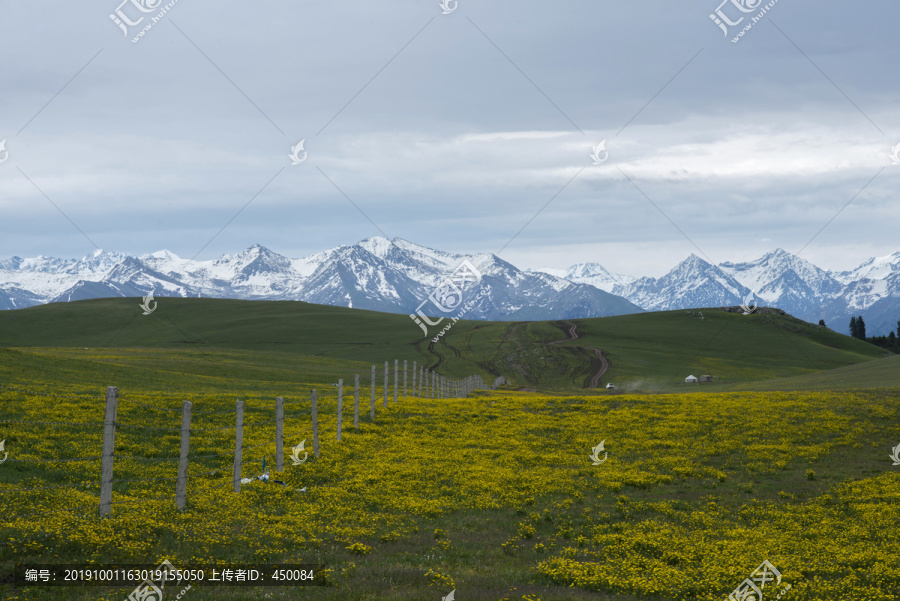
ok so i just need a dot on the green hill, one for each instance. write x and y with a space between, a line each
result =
647 351
881 373
656 351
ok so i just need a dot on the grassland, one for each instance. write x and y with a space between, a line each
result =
651 352
493 495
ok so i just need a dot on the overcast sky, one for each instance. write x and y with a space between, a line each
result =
453 131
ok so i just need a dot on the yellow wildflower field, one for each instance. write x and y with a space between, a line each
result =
495 496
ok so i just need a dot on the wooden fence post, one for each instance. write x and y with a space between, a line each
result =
181 483
279 434
238 446
356 401
372 404
421 380
385 386
414 379
315 425
109 445
404 378
396 369
340 407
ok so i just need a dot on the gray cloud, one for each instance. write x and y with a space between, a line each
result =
452 145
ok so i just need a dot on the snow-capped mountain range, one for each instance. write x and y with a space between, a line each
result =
377 274
396 276
777 279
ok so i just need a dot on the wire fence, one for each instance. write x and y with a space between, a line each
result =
421 382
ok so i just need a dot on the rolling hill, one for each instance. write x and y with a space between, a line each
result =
647 351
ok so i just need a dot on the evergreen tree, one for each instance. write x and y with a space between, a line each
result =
821 322
854 331
898 328
861 326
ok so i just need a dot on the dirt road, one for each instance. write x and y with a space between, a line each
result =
571 330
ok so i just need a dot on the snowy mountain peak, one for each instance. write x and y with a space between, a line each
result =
257 250
594 274
99 262
12 264
693 263
586 270
248 255
779 275
876 268
378 246
164 254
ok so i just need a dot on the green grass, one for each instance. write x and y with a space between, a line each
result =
656 351
219 350
841 442
880 373
651 352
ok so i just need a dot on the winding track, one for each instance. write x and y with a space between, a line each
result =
571 330
439 355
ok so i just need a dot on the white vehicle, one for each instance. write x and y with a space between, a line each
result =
610 385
